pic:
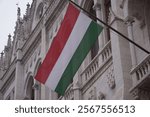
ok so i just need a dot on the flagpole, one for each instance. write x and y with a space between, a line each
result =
125 37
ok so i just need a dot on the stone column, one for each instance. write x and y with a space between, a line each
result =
129 22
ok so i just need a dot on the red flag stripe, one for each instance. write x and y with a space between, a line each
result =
58 44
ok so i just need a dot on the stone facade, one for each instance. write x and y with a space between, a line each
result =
113 69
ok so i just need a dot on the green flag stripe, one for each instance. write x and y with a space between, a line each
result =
84 47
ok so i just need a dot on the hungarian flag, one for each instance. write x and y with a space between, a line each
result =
76 36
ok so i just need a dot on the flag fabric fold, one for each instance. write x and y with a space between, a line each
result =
76 36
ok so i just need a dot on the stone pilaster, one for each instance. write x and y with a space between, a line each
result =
129 22
19 80
121 56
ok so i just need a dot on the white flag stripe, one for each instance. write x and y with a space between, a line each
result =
74 40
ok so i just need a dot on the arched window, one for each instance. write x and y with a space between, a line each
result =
39 11
30 89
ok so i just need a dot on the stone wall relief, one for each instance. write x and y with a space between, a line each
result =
94 94
111 78
101 96
141 94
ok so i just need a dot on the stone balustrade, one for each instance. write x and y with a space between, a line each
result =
106 52
140 77
101 58
141 71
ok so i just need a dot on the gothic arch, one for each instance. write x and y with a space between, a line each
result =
28 88
39 11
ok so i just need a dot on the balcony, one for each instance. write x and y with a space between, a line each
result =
141 80
96 64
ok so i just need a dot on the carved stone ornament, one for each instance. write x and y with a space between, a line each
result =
101 96
111 82
92 94
141 94
110 79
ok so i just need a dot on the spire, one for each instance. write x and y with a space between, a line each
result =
2 53
9 41
1 57
28 9
18 12
28 5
